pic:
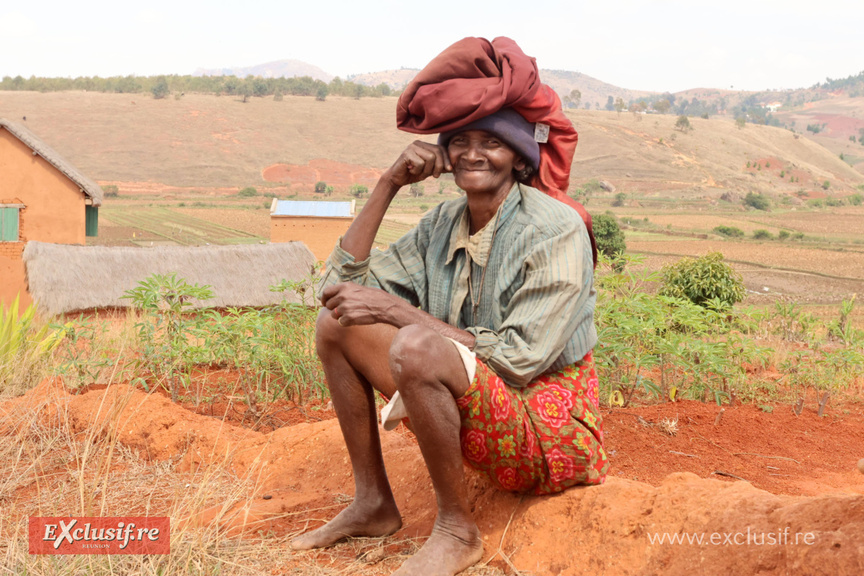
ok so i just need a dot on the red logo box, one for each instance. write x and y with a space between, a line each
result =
99 535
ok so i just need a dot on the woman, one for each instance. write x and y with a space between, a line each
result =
495 367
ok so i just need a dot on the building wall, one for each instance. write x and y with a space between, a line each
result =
54 210
319 234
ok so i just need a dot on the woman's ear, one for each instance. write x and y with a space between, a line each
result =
519 164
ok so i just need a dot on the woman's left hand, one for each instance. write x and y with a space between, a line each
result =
354 305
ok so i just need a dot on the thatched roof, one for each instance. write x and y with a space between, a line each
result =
87 186
64 278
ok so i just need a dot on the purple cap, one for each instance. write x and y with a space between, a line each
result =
508 125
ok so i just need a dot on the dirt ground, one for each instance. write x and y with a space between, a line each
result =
751 472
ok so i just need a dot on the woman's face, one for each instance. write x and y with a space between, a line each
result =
482 162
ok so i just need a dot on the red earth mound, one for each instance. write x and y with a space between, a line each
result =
622 527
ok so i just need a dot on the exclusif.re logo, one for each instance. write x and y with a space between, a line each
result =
99 535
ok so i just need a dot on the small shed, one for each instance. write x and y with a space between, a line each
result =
63 278
318 224
42 198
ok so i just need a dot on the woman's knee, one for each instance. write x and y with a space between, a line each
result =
411 354
327 332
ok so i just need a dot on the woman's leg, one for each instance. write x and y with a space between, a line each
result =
429 374
354 358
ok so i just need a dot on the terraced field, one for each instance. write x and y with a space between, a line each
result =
157 225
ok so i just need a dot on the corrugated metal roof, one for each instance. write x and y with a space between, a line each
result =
313 208
90 188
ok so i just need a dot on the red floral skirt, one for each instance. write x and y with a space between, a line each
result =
542 438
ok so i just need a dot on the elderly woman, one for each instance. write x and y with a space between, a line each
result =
479 322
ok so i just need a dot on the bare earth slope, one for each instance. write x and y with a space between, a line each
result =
202 140
609 529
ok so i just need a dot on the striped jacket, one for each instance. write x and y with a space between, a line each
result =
536 309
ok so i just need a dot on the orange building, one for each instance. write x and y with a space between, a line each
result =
42 197
317 224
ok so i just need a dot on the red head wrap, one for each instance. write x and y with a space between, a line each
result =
474 78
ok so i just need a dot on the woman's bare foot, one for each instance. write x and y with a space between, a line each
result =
445 554
356 520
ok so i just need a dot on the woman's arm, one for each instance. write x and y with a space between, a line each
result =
416 163
355 305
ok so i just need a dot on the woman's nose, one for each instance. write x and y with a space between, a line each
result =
473 152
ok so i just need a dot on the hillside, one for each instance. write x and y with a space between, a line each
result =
218 141
275 69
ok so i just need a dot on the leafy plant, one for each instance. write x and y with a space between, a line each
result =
704 281
166 330
25 345
78 362
608 234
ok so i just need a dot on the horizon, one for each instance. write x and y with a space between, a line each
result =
665 46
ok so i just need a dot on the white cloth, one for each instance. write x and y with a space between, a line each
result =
394 411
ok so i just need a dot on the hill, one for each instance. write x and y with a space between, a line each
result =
275 69
218 141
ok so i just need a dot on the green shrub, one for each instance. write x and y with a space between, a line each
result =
608 234
797 236
358 190
320 187
762 235
834 202
757 201
815 203
247 192
783 235
855 199
111 190
703 280
729 231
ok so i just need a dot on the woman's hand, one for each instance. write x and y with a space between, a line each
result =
417 162
354 305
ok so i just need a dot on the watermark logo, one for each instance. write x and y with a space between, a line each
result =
99 535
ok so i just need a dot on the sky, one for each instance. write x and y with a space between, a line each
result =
657 45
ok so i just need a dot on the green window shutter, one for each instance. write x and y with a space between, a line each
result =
8 224
91 220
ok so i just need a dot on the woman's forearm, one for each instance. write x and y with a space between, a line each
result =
361 234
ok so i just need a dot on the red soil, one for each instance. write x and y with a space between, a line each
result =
304 471
329 171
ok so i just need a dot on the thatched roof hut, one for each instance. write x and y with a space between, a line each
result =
64 278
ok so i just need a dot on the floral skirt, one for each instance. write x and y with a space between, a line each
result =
542 438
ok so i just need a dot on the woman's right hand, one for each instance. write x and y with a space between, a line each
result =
417 162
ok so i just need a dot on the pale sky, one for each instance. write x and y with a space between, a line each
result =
658 45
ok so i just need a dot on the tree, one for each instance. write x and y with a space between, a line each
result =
620 198
683 124
703 280
757 201
573 99
416 190
111 190
358 190
740 122
610 104
321 93
320 187
160 88
662 106
608 234
619 105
